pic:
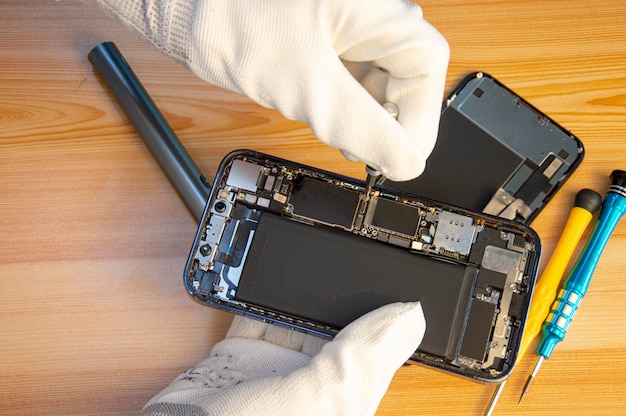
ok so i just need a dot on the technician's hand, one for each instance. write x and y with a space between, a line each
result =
290 55
264 370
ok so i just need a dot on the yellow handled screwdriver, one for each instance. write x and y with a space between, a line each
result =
586 203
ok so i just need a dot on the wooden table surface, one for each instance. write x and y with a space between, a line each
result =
93 315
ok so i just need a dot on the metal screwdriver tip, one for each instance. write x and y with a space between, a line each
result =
494 399
531 378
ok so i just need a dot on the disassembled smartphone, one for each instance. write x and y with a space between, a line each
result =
496 153
312 250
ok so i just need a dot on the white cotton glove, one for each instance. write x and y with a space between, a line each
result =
265 370
293 56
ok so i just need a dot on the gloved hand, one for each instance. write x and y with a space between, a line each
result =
328 63
265 370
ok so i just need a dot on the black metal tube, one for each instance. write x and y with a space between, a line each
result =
179 167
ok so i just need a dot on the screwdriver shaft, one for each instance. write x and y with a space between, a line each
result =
494 398
372 174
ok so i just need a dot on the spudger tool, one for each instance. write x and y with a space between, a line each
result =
577 283
586 203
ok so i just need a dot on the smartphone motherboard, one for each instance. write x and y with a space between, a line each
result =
312 250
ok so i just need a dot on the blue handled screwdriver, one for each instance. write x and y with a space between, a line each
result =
577 283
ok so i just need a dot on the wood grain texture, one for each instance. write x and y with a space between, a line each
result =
93 314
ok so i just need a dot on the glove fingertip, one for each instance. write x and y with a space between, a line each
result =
409 320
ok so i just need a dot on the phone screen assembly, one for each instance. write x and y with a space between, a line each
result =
496 153
313 250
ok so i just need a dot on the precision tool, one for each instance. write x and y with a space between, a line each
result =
577 283
372 177
586 203
372 174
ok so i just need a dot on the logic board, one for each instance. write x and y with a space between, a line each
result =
311 250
